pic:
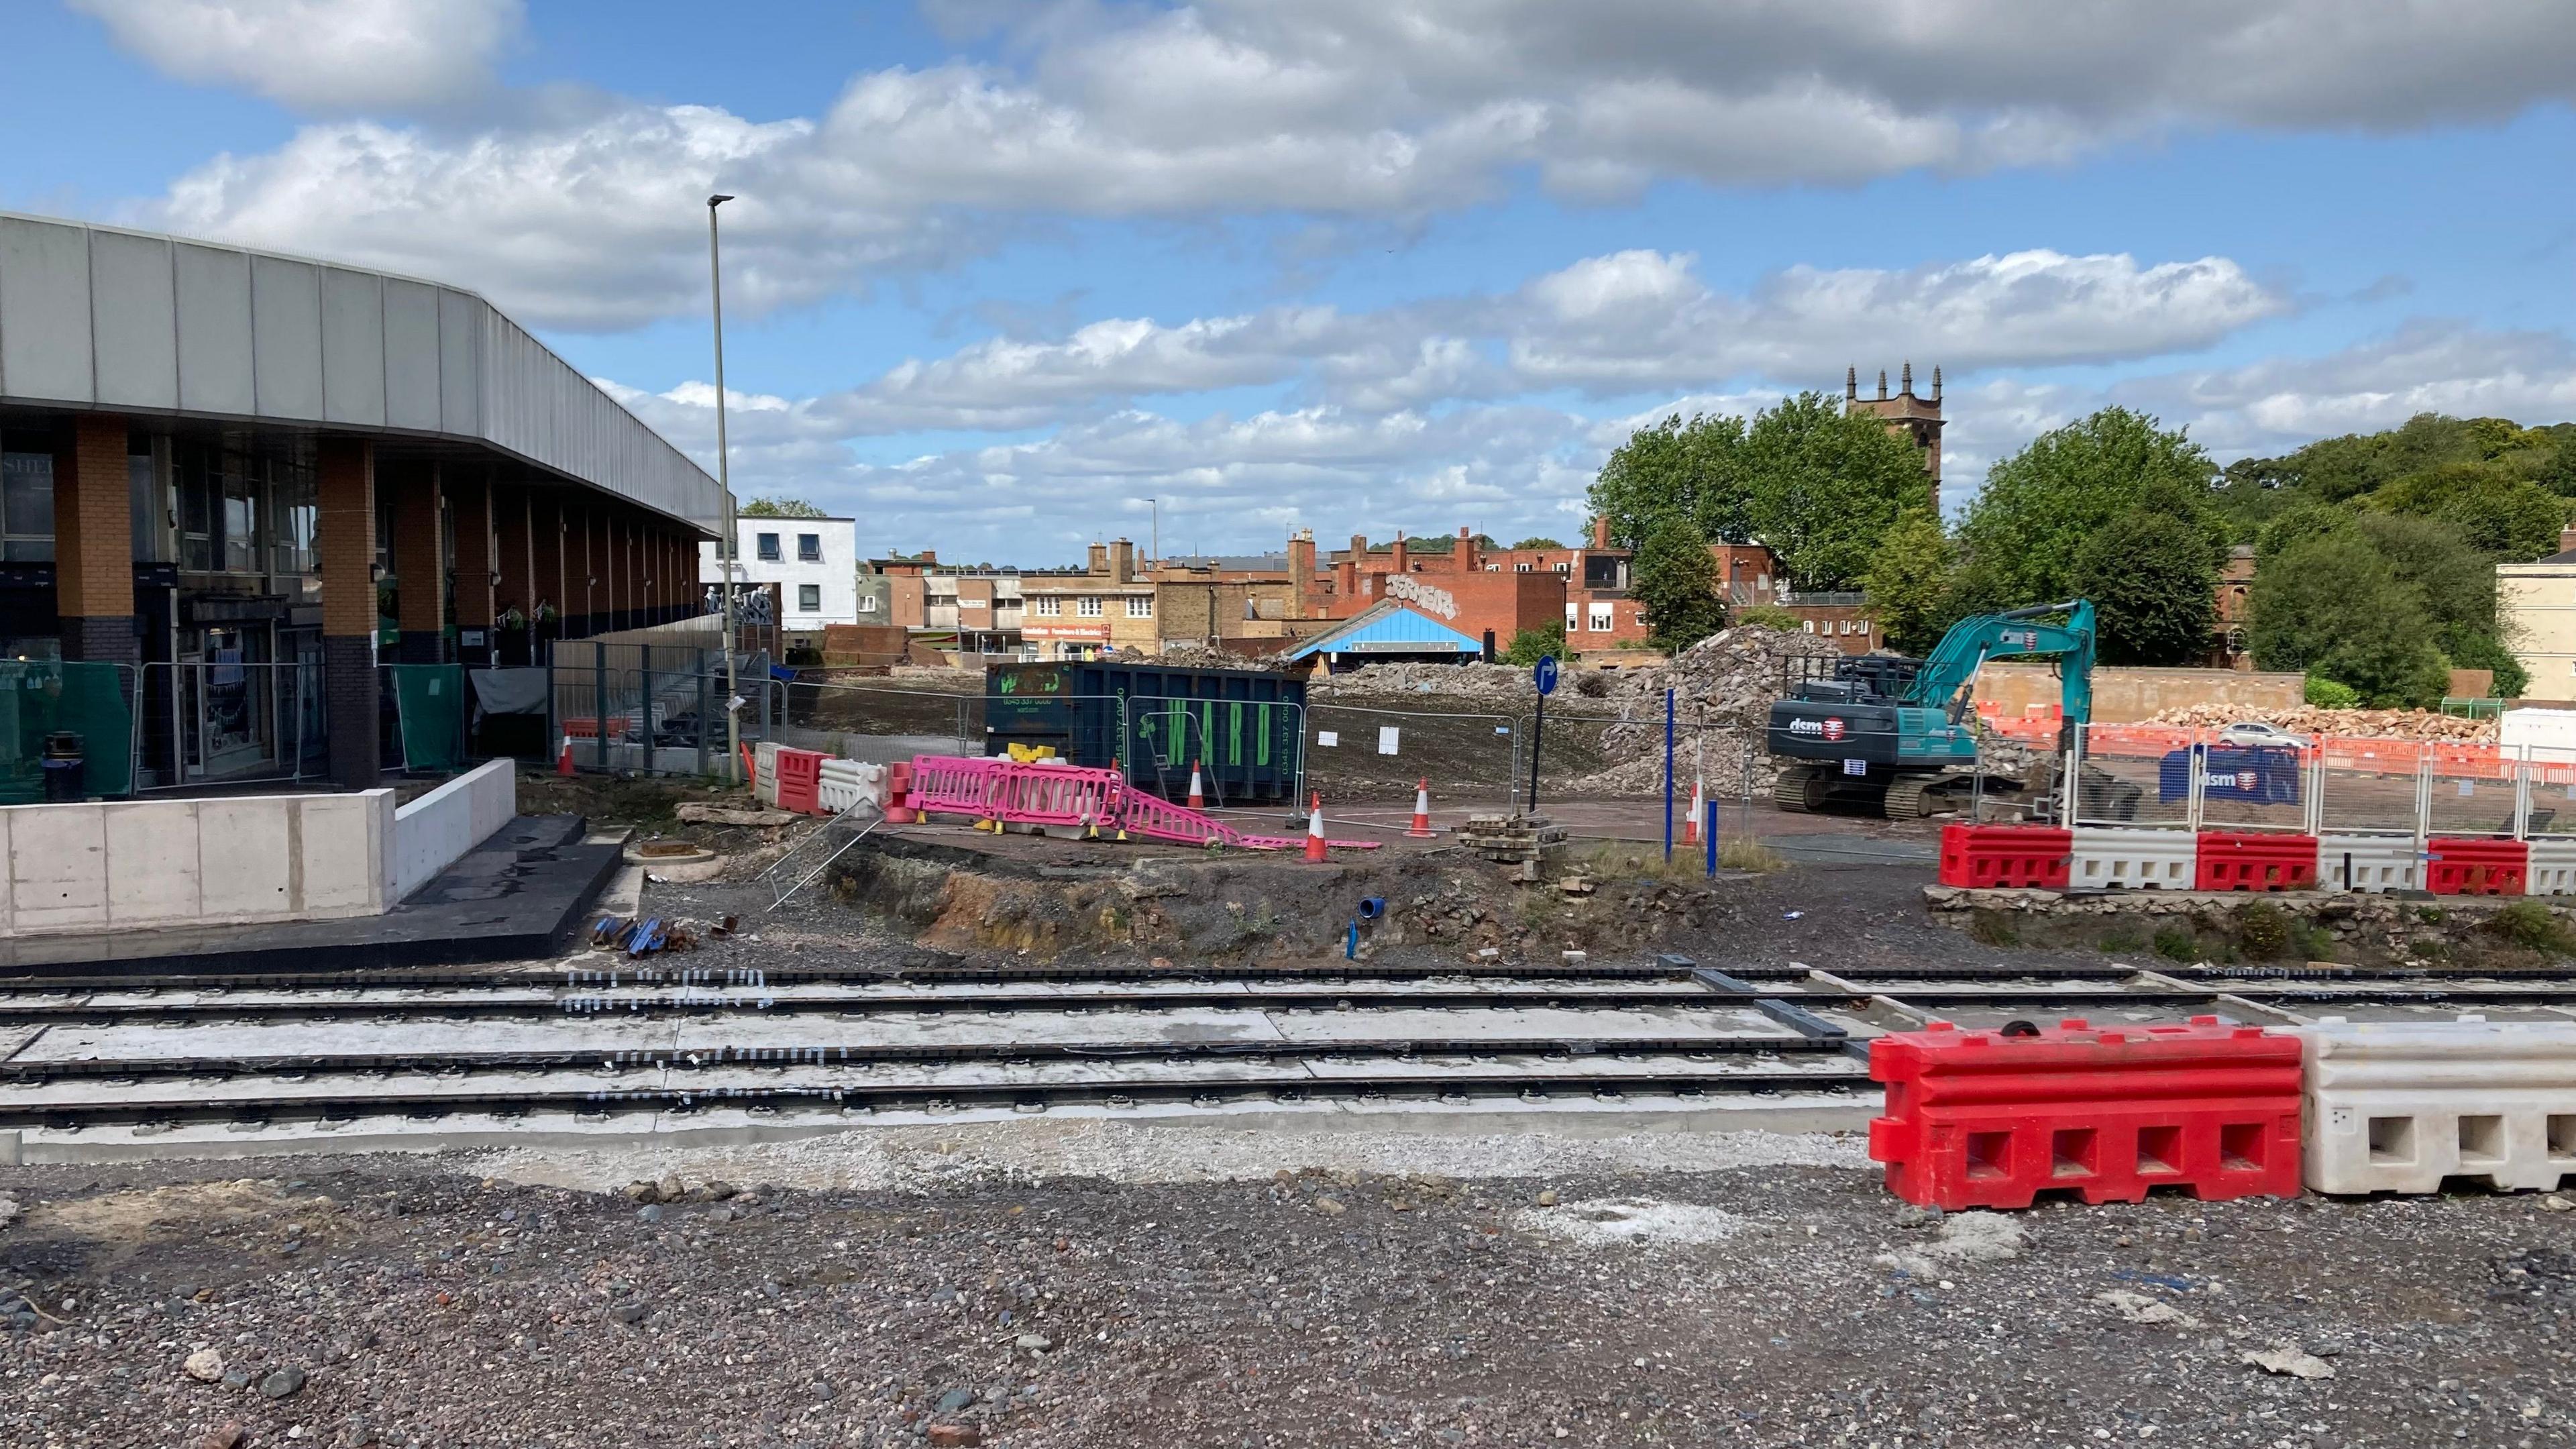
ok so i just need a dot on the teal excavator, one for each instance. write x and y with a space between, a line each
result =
1898 735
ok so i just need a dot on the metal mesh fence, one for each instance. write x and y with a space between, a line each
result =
2133 777
2370 787
1358 753
2471 791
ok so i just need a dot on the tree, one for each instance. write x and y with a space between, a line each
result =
2043 503
1675 581
779 508
1693 469
2335 608
1538 543
1531 645
1911 583
1824 486
2511 517
2153 587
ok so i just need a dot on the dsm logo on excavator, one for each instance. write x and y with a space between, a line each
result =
1831 727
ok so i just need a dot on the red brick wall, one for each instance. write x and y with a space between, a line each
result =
93 527
347 524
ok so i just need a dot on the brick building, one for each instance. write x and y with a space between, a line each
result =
246 478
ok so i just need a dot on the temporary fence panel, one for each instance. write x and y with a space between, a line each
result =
2145 860
2403 1106
2370 786
2472 790
429 711
2548 791
2250 787
200 722
1358 752
2370 864
40 699
2121 779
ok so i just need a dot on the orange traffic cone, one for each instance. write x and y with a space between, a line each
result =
1690 829
563 759
1198 800
1315 829
1421 811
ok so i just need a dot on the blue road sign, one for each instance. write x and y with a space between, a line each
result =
1545 674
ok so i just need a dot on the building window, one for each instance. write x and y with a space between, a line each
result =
1520 568
1565 568
1808 624
766 546
1600 621
809 548
1140 606
1573 618
1088 606
867 603
27 497
1049 606
809 598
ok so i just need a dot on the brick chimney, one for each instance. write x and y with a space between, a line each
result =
1096 562
2567 540
1346 579
1601 531
1122 561
1464 556
1301 571
1397 563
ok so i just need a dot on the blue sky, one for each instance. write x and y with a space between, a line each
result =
1003 269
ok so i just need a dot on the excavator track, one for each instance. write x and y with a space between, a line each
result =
1912 799
1799 789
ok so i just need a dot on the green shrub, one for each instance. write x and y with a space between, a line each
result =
2314 942
2262 930
2429 915
1992 928
2174 943
2119 939
1769 616
2326 693
2533 926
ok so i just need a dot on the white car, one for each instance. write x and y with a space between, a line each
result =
2255 733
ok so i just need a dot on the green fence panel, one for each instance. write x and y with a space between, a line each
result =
39 697
429 699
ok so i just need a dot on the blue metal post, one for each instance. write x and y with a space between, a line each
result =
1708 832
1668 775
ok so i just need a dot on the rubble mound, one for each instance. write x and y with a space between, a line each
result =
1493 683
1724 687
1183 655
2395 724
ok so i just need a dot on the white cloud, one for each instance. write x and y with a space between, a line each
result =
320 55
1370 109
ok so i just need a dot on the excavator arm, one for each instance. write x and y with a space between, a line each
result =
2016 632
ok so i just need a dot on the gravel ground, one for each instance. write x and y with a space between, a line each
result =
425 1302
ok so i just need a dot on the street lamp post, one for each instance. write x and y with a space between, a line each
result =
730 553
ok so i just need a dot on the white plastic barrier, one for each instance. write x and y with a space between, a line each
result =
2133 860
764 769
2398 1106
848 784
2378 863
2553 868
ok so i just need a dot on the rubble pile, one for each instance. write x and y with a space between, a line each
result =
2395 724
1723 687
1180 654
1500 684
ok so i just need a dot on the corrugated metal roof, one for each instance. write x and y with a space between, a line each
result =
102 317
1389 627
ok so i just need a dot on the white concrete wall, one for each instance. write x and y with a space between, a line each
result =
435 829
146 863
835 575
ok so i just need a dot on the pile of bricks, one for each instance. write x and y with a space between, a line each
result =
1531 844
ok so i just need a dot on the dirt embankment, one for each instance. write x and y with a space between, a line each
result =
1239 908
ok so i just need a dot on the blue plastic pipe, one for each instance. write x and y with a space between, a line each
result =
1708 832
1668 775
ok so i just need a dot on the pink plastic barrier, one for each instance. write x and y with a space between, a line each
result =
995 788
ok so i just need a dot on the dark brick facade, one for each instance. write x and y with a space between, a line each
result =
350 709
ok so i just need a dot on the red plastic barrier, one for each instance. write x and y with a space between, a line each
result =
2476 866
2254 861
1983 856
800 780
1981 1119
898 800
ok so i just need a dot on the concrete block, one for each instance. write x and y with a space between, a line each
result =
57 868
2140 860
437 828
2553 867
153 871
2400 1106
247 859
344 847
13 1149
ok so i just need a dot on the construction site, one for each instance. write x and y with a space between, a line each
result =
994 1098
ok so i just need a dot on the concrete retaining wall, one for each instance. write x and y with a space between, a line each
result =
434 830
145 863
2128 695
